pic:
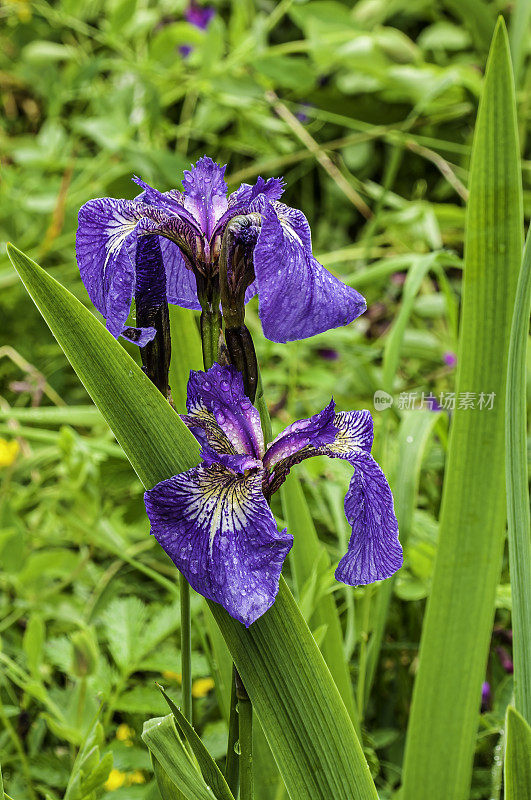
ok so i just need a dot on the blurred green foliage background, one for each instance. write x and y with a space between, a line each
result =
367 109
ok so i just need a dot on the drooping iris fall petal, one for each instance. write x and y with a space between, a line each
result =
214 520
298 297
218 529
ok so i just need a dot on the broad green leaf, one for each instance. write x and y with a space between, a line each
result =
161 738
209 769
145 425
518 521
306 555
305 721
168 790
517 767
458 622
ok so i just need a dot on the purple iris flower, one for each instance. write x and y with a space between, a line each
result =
450 359
214 520
199 17
486 696
182 232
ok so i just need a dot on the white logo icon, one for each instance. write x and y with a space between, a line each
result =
382 400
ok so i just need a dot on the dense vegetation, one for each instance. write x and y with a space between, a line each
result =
367 110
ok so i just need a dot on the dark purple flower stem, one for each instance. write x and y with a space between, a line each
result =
157 353
243 356
152 312
236 273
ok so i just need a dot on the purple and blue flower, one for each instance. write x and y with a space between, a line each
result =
158 246
214 520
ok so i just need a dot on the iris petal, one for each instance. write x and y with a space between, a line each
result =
374 551
354 432
105 250
217 528
218 396
298 297
303 437
205 193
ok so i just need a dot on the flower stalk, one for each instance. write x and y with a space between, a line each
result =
210 320
245 716
232 763
186 647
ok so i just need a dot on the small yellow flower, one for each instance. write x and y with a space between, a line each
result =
8 452
136 777
172 676
202 686
115 780
124 734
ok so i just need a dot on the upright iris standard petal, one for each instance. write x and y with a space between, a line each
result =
298 297
374 552
217 528
242 200
106 252
219 394
302 438
205 193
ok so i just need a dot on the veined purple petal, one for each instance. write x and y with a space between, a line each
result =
218 530
205 193
181 286
272 188
106 249
234 462
241 201
354 432
374 551
219 392
298 297
172 202
302 437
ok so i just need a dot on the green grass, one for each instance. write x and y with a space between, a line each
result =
389 95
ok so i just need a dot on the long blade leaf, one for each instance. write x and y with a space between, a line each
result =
517 767
458 622
518 521
306 723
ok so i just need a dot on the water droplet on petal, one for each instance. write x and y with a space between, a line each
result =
225 386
